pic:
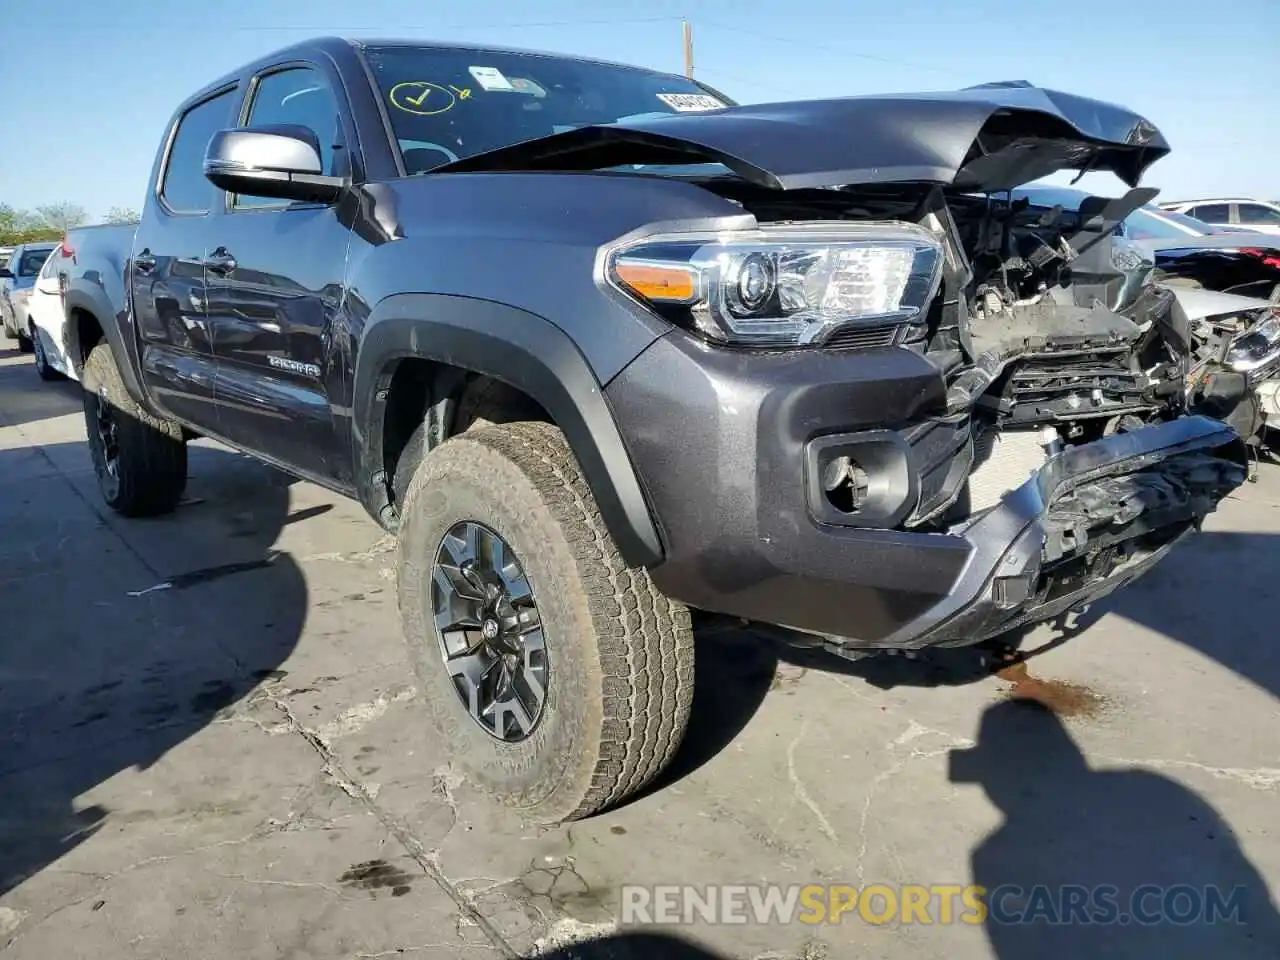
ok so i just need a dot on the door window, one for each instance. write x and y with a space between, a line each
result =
1211 213
183 186
299 95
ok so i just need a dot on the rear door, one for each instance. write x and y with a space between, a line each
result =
275 289
168 269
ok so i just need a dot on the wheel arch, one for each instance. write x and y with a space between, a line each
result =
524 351
88 318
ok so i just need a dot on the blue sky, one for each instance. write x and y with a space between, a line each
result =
90 84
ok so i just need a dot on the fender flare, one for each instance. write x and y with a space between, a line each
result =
528 353
93 301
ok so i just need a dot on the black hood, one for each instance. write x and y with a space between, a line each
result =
985 138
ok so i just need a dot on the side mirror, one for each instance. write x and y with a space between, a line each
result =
6 273
280 161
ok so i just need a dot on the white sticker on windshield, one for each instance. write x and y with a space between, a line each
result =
689 102
490 78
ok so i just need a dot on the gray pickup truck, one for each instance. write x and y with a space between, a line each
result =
601 346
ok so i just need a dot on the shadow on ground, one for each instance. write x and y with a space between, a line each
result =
27 398
1211 593
1091 863
95 681
633 946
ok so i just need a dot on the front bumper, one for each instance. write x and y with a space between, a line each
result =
720 441
1038 554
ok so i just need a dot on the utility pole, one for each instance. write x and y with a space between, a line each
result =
688 49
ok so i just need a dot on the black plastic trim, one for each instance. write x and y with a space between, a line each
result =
94 302
532 355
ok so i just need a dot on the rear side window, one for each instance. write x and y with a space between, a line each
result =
1211 213
184 188
302 96
1256 213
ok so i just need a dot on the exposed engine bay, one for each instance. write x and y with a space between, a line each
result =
1051 332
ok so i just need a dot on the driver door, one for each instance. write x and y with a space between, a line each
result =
275 284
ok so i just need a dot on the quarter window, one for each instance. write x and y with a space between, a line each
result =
184 188
1257 213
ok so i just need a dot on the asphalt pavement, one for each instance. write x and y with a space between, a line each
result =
210 747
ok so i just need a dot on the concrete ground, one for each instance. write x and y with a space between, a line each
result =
234 766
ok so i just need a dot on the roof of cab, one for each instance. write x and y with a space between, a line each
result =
339 47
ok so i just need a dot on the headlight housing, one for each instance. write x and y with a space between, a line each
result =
1260 346
786 284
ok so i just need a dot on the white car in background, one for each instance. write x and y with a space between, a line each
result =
45 322
1232 213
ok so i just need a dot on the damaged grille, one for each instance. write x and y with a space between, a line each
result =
1048 388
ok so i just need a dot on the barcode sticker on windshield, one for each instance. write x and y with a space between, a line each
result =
690 102
490 78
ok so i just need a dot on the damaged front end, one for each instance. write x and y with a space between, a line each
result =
1018 436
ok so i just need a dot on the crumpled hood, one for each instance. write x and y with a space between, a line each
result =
985 138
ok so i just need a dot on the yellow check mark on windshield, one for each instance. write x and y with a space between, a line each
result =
418 101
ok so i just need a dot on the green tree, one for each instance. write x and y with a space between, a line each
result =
122 215
61 216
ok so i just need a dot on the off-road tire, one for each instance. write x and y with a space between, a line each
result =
152 457
620 680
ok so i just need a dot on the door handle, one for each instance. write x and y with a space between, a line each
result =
220 261
144 262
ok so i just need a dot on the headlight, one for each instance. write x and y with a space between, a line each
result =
1260 345
786 284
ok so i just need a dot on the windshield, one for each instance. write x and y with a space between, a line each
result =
31 261
446 104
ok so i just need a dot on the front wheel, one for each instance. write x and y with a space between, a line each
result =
558 678
141 461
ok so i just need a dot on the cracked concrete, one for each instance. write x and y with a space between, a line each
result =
238 767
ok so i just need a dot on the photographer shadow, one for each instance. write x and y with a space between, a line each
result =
1104 863
122 639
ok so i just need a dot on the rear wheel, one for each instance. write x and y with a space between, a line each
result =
558 678
141 461
43 368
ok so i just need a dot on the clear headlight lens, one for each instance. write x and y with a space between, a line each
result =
1260 345
785 284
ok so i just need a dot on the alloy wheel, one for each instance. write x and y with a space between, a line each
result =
108 433
489 631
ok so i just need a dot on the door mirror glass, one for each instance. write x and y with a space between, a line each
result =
280 161
6 273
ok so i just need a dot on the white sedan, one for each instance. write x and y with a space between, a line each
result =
45 324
